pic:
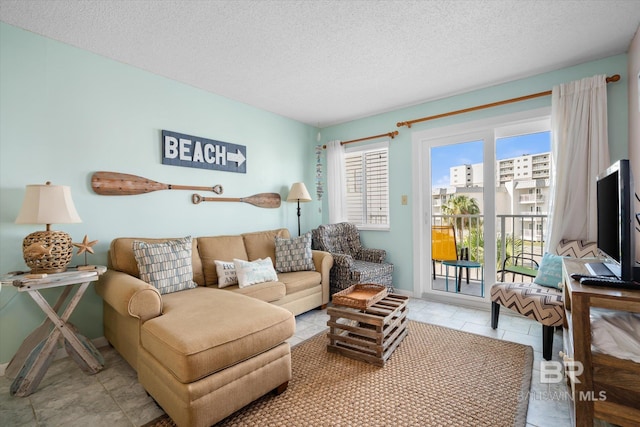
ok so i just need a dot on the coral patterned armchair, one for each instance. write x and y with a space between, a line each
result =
352 263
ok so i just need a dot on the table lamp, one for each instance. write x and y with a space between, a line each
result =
47 251
298 193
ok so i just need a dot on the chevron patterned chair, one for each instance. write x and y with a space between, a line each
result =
540 303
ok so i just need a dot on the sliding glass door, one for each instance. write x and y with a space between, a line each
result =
483 195
457 192
523 163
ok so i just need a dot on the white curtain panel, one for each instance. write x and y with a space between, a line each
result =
579 152
336 182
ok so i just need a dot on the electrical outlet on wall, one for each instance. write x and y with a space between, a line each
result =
404 199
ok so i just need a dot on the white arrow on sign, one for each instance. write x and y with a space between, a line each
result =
237 157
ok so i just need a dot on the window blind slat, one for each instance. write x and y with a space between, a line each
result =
367 175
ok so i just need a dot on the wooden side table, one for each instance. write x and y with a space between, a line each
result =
33 358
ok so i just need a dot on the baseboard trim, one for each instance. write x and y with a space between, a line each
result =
403 292
62 353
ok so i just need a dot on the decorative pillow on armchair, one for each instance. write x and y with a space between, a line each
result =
167 265
294 254
258 271
550 271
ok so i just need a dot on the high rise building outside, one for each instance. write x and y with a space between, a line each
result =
522 188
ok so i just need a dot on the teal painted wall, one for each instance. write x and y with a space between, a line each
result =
66 113
398 241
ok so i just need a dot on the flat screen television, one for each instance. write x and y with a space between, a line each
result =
615 220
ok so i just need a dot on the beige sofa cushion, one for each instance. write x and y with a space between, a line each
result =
296 281
262 244
121 257
204 330
266 291
221 248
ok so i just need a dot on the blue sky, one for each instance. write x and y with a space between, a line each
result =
442 158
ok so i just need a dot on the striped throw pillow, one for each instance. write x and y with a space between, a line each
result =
166 266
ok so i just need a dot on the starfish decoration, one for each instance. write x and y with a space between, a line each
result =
37 250
85 246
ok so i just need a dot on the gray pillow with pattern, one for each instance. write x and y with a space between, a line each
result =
294 254
166 266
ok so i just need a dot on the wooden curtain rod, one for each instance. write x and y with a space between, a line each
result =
390 135
408 123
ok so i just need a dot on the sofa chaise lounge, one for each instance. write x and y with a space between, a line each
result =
204 352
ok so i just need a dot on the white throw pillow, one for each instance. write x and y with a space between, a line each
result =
226 273
258 271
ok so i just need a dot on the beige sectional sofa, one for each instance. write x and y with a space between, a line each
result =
205 352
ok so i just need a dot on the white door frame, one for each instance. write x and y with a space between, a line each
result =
488 130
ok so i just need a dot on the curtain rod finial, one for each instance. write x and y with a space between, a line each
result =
614 78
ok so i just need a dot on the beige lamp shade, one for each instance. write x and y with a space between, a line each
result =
47 251
298 193
48 204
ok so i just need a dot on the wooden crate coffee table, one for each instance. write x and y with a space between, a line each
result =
372 334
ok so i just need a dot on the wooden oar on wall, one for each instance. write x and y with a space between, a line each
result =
261 200
123 184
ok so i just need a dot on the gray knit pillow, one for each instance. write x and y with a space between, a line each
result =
166 266
294 254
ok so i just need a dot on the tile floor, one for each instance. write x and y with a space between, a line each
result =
473 288
113 397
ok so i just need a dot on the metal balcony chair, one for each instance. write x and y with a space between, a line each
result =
444 248
522 264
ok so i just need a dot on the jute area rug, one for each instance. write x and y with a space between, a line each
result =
436 377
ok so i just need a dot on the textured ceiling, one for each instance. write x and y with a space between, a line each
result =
327 62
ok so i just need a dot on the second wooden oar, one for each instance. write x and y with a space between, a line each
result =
262 200
124 184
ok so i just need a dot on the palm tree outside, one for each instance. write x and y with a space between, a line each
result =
460 204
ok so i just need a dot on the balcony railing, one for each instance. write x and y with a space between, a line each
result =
541 166
516 234
531 198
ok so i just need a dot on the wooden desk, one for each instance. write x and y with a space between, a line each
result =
37 351
618 379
